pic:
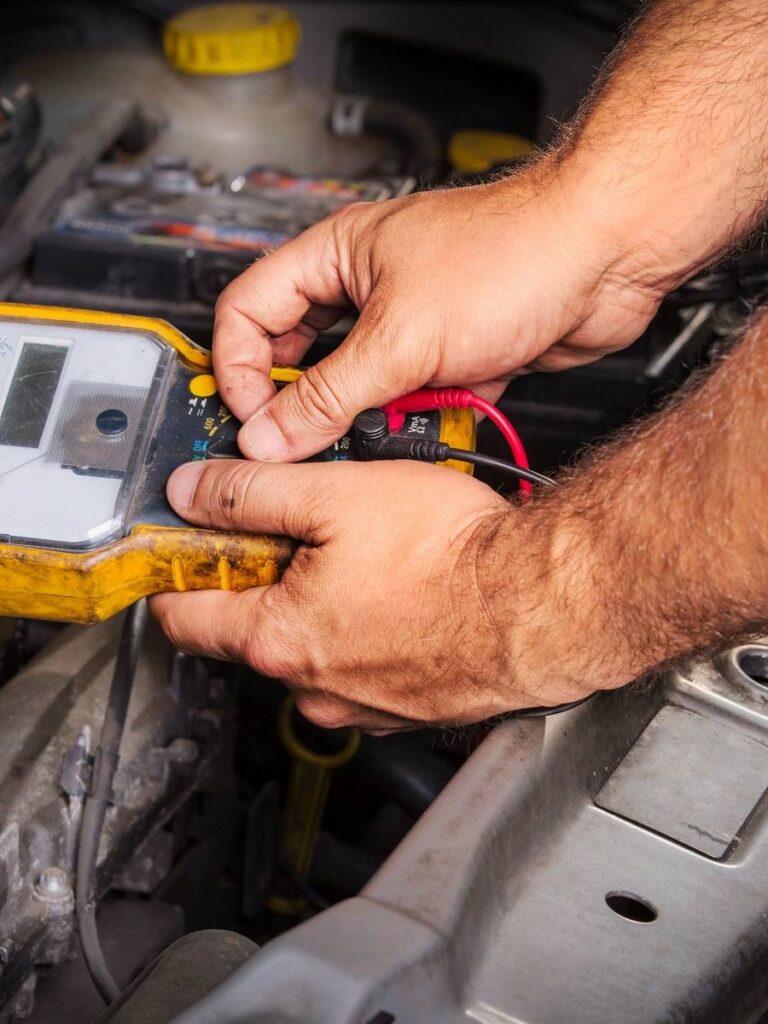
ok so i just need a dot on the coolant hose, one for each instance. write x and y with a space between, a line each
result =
413 133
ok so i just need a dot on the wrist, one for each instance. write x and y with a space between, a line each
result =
553 600
614 235
657 220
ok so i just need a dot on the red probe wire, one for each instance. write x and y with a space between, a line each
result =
458 398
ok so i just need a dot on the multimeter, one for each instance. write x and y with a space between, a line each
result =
96 410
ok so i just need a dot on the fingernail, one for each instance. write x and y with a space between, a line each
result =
263 439
182 485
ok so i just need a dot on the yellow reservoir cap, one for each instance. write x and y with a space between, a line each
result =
472 152
231 39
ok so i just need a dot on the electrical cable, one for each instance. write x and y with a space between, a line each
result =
543 712
100 797
529 476
374 440
460 398
508 432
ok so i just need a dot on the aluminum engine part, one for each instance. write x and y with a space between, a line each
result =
605 865
50 717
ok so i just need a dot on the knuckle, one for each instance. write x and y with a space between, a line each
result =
345 218
266 658
322 712
231 489
230 297
319 399
264 652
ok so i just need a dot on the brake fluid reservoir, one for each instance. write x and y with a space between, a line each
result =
226 86
233 97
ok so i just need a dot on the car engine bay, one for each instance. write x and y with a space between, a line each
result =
250 866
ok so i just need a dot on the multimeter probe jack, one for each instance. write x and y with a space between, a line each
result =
373 439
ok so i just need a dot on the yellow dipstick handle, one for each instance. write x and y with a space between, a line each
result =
308 784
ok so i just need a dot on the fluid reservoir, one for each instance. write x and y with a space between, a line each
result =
225 82
235 94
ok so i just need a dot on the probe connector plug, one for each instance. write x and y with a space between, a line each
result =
373 440
424 400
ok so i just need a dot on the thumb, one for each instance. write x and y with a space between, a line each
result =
230 494
316 409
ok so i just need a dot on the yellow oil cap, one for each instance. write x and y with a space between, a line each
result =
472 152
231 39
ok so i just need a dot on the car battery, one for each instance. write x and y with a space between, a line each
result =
164 237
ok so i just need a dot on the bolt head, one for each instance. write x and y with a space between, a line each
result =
53 882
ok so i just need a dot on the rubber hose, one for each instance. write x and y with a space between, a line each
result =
100 797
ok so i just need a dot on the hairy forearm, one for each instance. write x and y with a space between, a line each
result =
654 547
674 138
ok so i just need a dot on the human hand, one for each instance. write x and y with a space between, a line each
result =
465 286
406 603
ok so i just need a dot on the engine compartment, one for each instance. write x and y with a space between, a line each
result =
230 812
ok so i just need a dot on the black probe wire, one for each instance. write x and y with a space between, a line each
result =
100 797
543 712
491 462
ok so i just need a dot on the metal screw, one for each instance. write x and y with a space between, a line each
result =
52 883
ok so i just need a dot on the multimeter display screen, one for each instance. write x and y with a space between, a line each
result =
31 394
77 402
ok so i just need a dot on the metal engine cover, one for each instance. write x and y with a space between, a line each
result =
604 866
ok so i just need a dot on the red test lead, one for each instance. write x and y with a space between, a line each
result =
458 398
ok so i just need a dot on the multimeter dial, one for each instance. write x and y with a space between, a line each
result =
77 404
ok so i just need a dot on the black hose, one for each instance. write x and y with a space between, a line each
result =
100 797
421 152
403 768
76 153
307 890
342 866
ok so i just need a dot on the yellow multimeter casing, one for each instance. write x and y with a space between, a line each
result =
96 410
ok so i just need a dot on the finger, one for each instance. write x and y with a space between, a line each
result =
238 627
210 623
230 494
332 712
565 357
268 301
372 366
291 347
491 390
